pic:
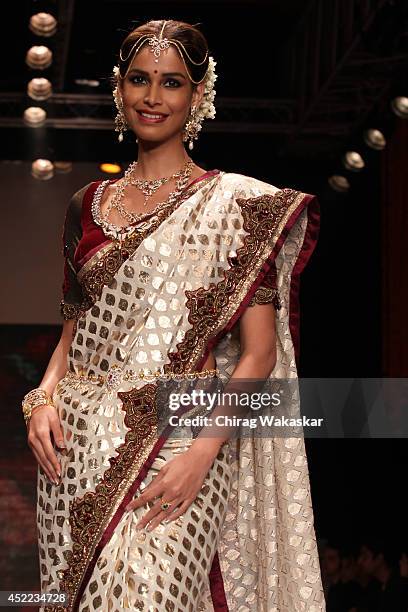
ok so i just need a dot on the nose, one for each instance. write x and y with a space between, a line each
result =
152 96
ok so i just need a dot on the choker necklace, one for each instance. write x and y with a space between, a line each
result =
117 231
149 187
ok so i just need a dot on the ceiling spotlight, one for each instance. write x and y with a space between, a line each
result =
87 82
353 161
39 89
39 57
34 116
42 169
110 168
63 167
399 106
375 139
43 24
339 183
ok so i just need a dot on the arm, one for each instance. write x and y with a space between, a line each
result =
57 365
180 479
44 419
258 358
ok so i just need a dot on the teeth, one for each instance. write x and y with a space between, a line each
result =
151 116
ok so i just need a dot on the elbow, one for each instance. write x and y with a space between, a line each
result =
270 362
262 362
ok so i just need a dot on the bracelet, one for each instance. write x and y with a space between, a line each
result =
33 399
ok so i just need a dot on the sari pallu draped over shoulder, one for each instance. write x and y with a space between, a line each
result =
175 291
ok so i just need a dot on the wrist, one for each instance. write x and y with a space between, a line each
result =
206 448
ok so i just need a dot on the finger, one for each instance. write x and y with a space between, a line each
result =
158 515
50 454
46 452
41 460
178 511
150 493
161 516
57 432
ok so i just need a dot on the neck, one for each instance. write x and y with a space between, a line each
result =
156 160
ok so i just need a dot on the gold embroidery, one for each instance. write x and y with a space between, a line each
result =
261 217
70 311
266 295
90 515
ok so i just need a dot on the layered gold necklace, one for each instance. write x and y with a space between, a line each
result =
148 187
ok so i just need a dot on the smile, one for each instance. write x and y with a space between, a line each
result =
151 117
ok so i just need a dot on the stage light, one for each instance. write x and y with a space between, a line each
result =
39 89
34 116
399 106
63 167
87 82
110 168
42 169
339 183
353 161
43 24
39 57
375 139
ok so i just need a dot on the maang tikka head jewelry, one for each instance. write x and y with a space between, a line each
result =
206 108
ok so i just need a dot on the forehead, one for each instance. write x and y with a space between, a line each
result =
169 60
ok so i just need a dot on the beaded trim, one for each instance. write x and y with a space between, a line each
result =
116 375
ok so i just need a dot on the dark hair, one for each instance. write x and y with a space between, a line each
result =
192 43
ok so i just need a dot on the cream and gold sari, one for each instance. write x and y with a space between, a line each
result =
173 291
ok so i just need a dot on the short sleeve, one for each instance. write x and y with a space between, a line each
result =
72 296
267 292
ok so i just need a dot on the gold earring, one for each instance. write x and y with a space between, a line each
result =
191 128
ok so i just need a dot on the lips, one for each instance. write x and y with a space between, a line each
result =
148 117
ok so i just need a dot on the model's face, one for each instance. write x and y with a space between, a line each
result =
160 89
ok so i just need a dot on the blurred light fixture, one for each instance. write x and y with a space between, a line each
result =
110 168
43 24
34 116
39 89
42 169
375 139
87 82
39 57
63 167
353 161
339 183
399 106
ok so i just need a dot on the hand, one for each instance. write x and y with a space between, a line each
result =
179 481
45 419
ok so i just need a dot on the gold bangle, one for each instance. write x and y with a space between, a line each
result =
33 399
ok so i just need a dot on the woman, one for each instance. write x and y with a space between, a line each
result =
176 271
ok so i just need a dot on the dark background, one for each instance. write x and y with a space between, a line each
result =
298 83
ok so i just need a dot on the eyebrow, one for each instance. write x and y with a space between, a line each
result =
163 74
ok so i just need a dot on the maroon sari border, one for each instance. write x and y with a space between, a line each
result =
307 248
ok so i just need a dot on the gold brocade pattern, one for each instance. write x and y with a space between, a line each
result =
261 217
174 293
167 568
101 269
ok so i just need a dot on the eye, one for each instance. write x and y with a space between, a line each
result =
134 78
173 82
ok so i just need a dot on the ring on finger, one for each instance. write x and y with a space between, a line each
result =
165 505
